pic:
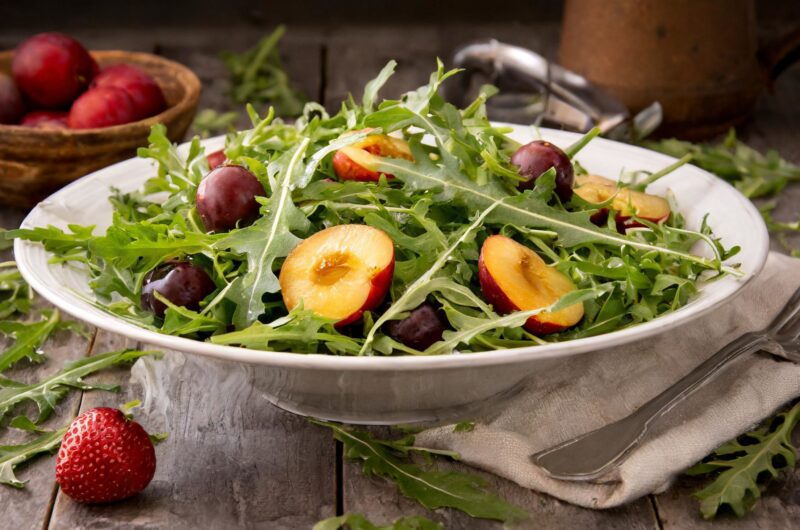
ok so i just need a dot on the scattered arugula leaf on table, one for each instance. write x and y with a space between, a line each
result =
28 338
46 393
15 293
355 521
742 467
259 78
430 487
753 173
12 456
209 122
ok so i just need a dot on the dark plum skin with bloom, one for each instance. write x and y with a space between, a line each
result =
422 327
180 282
227 197
534 158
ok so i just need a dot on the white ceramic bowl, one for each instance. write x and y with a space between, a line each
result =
406 389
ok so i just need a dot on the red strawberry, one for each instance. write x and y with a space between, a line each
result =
104 457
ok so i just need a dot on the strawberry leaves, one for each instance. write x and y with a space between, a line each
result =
742 466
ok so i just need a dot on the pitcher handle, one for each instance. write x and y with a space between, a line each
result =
777 56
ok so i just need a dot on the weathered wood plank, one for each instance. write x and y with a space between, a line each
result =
231 459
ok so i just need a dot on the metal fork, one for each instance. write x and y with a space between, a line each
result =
591 455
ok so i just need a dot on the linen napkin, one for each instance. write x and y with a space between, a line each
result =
604 386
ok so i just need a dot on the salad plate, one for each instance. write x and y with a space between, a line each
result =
408 388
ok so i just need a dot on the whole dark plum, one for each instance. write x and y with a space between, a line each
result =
421 328
227 196
52 69
535 158
180 282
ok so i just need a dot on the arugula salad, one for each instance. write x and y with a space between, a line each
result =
404 226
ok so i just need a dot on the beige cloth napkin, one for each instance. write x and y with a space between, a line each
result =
607 385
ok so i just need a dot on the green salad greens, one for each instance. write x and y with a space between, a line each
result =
458 187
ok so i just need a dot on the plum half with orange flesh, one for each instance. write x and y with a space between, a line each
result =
515 278
339 272
626 202
359 161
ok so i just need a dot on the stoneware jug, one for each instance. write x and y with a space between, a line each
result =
699 58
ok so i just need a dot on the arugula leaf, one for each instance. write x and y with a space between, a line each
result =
258 77
299 331
209 122
48 392
28 338
743 466
430 487
15 294
355 521
267 239
13 455
416 292
753 173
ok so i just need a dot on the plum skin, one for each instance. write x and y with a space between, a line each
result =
423 326
379 287
11 105
536 157
215 159
52 69
226 197
503 305
180 282
45 119
147 97
101 107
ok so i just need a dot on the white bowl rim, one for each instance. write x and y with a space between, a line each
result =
326 362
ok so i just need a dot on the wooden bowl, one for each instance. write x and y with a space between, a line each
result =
36 162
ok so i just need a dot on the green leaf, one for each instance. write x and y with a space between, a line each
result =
743 466
430 487
28 338
258 77
372 87
15 294
12 456
354 521
267 239
753 173
48 392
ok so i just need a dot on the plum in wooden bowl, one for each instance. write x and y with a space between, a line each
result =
36 161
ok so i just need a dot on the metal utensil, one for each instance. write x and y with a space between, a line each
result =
592 455
534 90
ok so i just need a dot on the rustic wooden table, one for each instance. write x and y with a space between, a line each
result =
234 460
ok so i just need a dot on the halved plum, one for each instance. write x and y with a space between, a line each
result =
515 278
339 272
359 161
624 201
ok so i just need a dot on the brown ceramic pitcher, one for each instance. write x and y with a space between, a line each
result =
699 58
